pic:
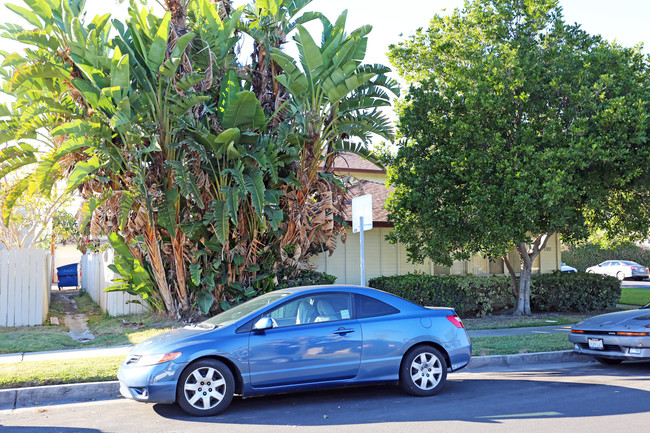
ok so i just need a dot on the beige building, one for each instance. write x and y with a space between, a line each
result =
383 258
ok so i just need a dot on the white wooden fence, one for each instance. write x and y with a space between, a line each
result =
25 281
96 276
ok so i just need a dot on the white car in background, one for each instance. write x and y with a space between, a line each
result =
620 269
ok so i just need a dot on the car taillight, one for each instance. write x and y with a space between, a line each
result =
456 321
632 334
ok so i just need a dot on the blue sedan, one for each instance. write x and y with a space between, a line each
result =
298 339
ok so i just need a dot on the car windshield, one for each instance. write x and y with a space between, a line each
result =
236 313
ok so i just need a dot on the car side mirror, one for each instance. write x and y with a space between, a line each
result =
263 324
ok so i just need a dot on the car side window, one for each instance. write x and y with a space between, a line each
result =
370 307
325 307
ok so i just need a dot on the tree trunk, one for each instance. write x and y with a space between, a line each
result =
523 296
528 254
513 277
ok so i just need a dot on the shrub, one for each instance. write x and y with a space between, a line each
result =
583 256
470 295
574 292
467 294
307 278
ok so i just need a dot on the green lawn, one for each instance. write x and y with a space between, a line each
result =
633 296
38 373
482 346
108 331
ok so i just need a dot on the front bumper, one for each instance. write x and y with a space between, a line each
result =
614 347
152 383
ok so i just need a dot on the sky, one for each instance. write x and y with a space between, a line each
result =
625 21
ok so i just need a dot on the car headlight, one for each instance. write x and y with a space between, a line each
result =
159 358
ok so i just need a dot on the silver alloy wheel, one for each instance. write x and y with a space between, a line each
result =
204 388
426 371
620 276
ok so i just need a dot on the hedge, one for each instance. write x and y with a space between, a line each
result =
465 293
479 296
574 292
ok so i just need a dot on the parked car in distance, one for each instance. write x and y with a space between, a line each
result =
614 337
568 269
620 269
298 339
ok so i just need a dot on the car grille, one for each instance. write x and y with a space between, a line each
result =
608 347
598 333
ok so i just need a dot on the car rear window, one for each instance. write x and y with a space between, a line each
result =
370 307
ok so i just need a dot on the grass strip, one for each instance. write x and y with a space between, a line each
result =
632 296
39 373
512 344
502 322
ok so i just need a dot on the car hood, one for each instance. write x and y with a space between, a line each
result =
618 320
170 340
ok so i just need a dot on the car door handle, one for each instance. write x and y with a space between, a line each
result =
343 331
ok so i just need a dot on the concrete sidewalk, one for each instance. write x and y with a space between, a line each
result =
94 352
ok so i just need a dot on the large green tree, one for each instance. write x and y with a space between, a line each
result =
192 161
516 126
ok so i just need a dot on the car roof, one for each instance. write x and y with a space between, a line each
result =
348 288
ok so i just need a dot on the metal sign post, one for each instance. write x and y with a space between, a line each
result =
362 221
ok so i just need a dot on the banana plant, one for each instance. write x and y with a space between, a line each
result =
337 99
206 168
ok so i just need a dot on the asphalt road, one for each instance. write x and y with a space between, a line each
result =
571 397
643 284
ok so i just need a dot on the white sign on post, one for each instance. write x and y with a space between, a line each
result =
362 207
362 221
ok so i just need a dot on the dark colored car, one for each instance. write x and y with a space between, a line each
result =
298 339
614 337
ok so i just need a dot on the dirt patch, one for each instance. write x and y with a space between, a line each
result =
76 322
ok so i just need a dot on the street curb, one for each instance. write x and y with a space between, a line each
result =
17 398
526 358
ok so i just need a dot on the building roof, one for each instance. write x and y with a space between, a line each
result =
379 194
349 162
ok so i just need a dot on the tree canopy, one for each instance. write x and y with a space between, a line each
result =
516 126
212 177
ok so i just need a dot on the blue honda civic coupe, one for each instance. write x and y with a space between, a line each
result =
298 339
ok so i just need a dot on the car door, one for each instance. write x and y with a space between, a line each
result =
614 268
315 338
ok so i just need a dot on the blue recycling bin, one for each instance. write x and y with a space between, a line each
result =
67 276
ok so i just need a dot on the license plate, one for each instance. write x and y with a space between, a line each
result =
596 344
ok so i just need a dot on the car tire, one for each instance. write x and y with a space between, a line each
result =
620 276
608 361
205 388
423 371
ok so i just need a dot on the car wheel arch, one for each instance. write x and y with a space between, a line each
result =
236 373
431 344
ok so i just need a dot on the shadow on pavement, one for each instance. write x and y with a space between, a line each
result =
47 429
561 393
